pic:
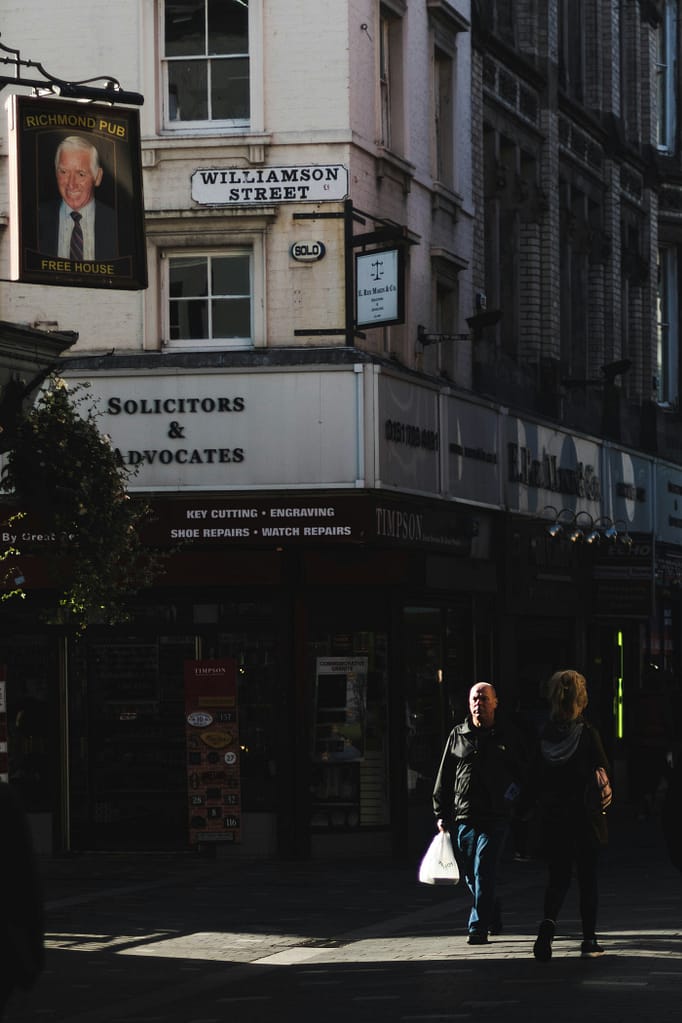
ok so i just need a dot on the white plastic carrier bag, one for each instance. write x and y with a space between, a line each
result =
439 865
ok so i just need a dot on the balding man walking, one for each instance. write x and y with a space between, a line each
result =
478 783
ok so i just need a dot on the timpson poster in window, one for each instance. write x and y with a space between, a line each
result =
77 212
340 709
212 741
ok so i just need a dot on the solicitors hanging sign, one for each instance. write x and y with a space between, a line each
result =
380 288
252 186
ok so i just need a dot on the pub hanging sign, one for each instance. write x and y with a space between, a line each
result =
76 200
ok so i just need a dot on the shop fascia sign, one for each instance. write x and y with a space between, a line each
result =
292 520
542 471
668 503
194 431
253 186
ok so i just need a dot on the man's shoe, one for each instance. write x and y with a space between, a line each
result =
542 949
476 938
496 922
591 950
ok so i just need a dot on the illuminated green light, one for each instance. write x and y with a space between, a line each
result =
620 727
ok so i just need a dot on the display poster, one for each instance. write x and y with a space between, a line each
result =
340 706
212 734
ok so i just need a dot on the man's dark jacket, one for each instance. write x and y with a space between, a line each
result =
481 774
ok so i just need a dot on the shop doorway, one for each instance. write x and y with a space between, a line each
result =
439 665
347 760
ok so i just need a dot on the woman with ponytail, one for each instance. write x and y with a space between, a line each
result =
573 827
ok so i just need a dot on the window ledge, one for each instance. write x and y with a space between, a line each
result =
389 165
218 344
207 228
447 262
443 199
444 11
176 146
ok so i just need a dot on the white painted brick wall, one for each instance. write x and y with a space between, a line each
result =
318 83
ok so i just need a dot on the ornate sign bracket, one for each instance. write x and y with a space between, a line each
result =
49 85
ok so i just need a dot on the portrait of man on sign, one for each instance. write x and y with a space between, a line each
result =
76 195
76 225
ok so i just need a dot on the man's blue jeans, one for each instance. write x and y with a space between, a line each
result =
478 853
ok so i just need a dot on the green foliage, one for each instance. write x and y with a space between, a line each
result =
65 475
10 578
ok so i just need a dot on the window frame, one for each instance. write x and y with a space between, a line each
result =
444 107
445 26
390 71
175 249
666 79
233 125
667 328
501 18
445 270
572 59
210 341
575 342
210 233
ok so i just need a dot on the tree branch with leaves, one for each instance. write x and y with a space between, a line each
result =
64 474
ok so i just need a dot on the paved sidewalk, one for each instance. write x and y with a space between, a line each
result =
181 940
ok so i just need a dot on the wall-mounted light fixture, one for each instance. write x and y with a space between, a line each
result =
560 520
594 536
580 527
608 530
425 337
577 533
623 536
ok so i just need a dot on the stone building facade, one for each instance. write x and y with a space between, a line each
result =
410 259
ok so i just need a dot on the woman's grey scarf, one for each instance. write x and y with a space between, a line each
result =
562 744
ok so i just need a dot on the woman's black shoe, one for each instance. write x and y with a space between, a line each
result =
542 949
